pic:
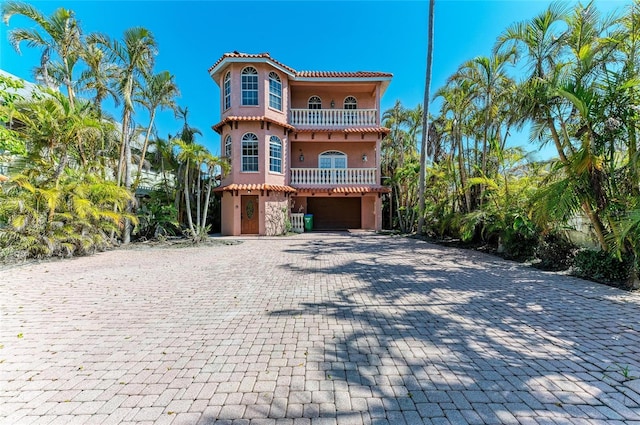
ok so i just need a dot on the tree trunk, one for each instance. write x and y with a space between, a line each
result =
145 146
425 123
187 200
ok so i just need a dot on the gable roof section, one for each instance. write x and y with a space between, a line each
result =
312 76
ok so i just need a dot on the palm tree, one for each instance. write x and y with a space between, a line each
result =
159 92
99 76
60 34
425 121
135 58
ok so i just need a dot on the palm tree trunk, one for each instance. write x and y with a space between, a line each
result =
425 123
188 200
145 146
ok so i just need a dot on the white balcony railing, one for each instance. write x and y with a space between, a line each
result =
297 222
334 118
333 176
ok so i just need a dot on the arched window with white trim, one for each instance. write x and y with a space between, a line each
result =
332 159
350 102
227 148
249 86
275 91
275 154
315 102
249 152
227 91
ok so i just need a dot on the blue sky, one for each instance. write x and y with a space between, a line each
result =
388 36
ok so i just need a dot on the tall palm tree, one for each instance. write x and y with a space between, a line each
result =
99 76
425 121
160 92
60 34
134 56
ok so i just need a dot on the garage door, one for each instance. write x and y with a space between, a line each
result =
334 213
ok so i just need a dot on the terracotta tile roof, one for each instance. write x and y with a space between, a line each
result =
342 74
345 189
251 56
218 127
272 187
3 178
303 74
384 130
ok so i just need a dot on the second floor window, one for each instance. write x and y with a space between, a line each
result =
250 152
275 91
350 102
315 102
275 154
227 148
249 86
227 91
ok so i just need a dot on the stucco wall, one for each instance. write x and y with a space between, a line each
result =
300 95
262 108
263 175
354 152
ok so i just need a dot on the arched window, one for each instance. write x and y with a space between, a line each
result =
227 148
249 86
315 102
250 152
275 154
350 102
227 91
275 91
332 159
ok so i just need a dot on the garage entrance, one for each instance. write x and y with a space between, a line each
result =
335 213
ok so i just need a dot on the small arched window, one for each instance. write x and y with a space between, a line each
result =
275 154
350 102
275 91
250 152
227 91
249 86
315 102
227 148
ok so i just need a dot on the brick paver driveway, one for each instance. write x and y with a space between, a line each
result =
316 328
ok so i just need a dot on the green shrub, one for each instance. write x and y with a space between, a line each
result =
602 266
520 239
555 253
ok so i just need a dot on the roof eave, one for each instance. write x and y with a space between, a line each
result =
215 71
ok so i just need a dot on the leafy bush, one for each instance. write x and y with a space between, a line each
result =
520 239
555 253
156 218
602 266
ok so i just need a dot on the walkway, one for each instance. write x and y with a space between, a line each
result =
313 329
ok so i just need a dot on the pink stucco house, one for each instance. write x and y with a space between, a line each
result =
298 142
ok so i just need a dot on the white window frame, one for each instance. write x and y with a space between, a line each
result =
228 147
311 103
227 91
275 91
350 102
332 156
249 85
250 158
275 155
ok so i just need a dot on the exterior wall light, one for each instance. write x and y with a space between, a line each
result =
364 157
333 104
301 157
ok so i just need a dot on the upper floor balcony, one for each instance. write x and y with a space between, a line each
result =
333 118
333 176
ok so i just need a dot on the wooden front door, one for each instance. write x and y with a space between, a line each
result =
249 221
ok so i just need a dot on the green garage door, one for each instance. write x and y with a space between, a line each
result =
335 213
